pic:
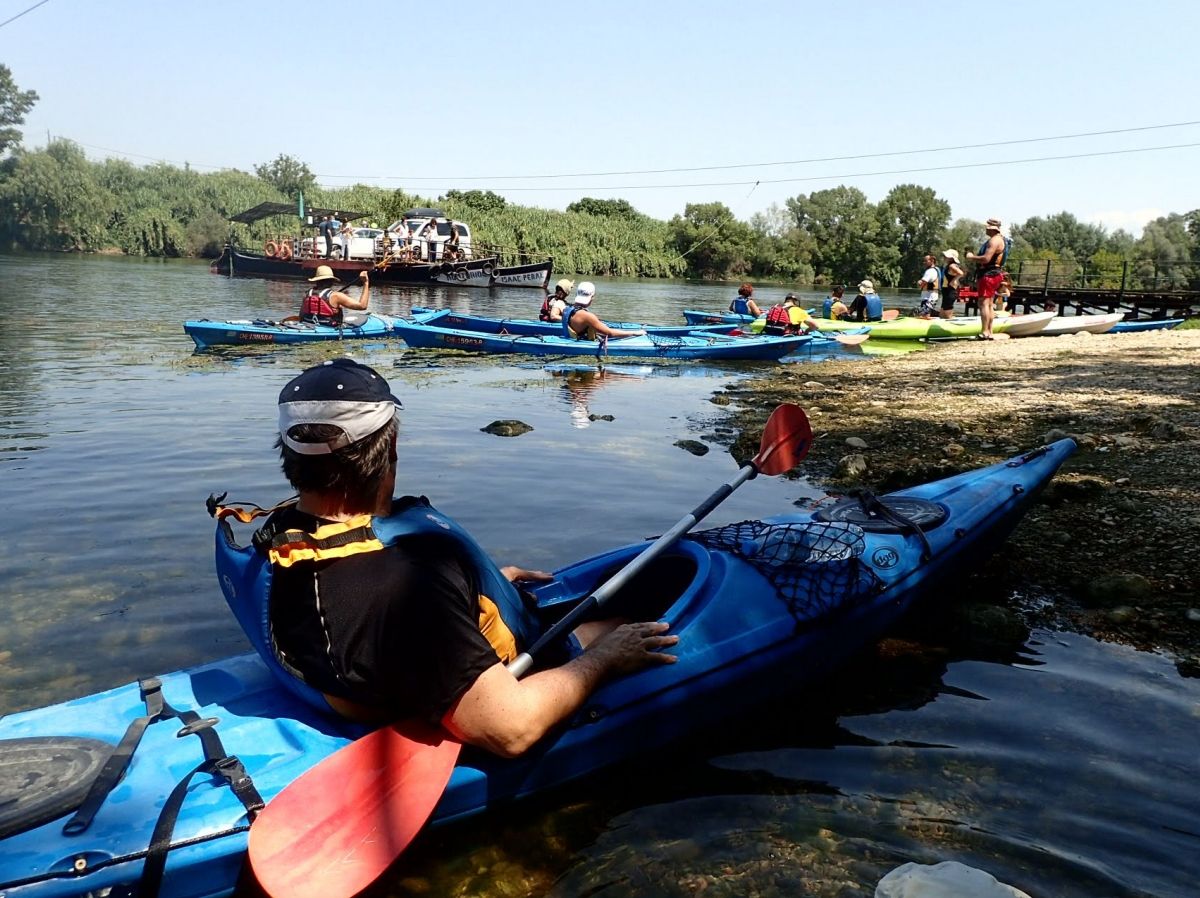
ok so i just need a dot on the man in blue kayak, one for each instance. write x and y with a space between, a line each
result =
326 304
580 323
387 609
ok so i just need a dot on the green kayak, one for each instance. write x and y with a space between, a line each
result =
909 328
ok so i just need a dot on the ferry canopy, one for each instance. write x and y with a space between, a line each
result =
266 210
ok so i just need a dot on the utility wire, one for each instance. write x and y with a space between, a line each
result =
847 176
945 149
22 12
663 171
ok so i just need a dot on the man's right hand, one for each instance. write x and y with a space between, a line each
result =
362 275
630 647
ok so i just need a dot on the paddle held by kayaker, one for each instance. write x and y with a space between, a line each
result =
386 609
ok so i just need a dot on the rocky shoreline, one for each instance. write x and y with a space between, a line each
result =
1113 547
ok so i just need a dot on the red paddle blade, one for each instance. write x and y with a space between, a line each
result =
785 440
891 314
334 830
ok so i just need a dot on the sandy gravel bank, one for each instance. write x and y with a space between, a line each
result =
1115 540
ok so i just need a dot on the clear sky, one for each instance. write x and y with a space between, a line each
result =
433 96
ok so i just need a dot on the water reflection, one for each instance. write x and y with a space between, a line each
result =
581 383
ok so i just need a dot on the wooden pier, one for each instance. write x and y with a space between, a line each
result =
1139 289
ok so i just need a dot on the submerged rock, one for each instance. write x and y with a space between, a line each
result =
693 446
507 428
1116 589
851 466
949 879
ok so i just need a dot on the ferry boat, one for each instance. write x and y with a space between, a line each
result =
423 246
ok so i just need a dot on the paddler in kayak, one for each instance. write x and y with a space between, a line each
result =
555 303
383 608
581 324
743 303
325 305
788 319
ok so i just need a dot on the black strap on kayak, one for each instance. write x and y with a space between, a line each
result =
114 768
873 505
216 763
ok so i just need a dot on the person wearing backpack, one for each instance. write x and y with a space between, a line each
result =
951 279
787 319
989 267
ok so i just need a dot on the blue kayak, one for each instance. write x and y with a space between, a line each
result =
530 327
445 329
759 606
1133 327
692 316
208 333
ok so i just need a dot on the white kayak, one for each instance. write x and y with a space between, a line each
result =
1073 324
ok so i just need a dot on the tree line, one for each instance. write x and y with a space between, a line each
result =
55 198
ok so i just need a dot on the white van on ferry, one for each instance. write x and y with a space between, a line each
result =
426 232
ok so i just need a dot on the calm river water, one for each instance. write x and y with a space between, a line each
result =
1061 765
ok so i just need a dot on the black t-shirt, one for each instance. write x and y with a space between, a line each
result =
396 628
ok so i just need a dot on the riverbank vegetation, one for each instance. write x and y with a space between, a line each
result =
55 198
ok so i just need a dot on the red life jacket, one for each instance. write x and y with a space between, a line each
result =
544 314
779 322
316 307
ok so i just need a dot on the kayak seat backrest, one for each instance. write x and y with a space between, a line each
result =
814 566
245 575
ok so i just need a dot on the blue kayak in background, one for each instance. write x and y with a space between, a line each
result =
208 333
531 327
1133 327
759 607
446 329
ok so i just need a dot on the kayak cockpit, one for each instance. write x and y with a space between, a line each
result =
664 589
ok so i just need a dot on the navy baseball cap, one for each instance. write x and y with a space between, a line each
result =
342 393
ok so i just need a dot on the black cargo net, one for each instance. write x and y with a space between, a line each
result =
815 567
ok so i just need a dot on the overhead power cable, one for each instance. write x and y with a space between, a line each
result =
22 12
850 175
664 171
879 155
